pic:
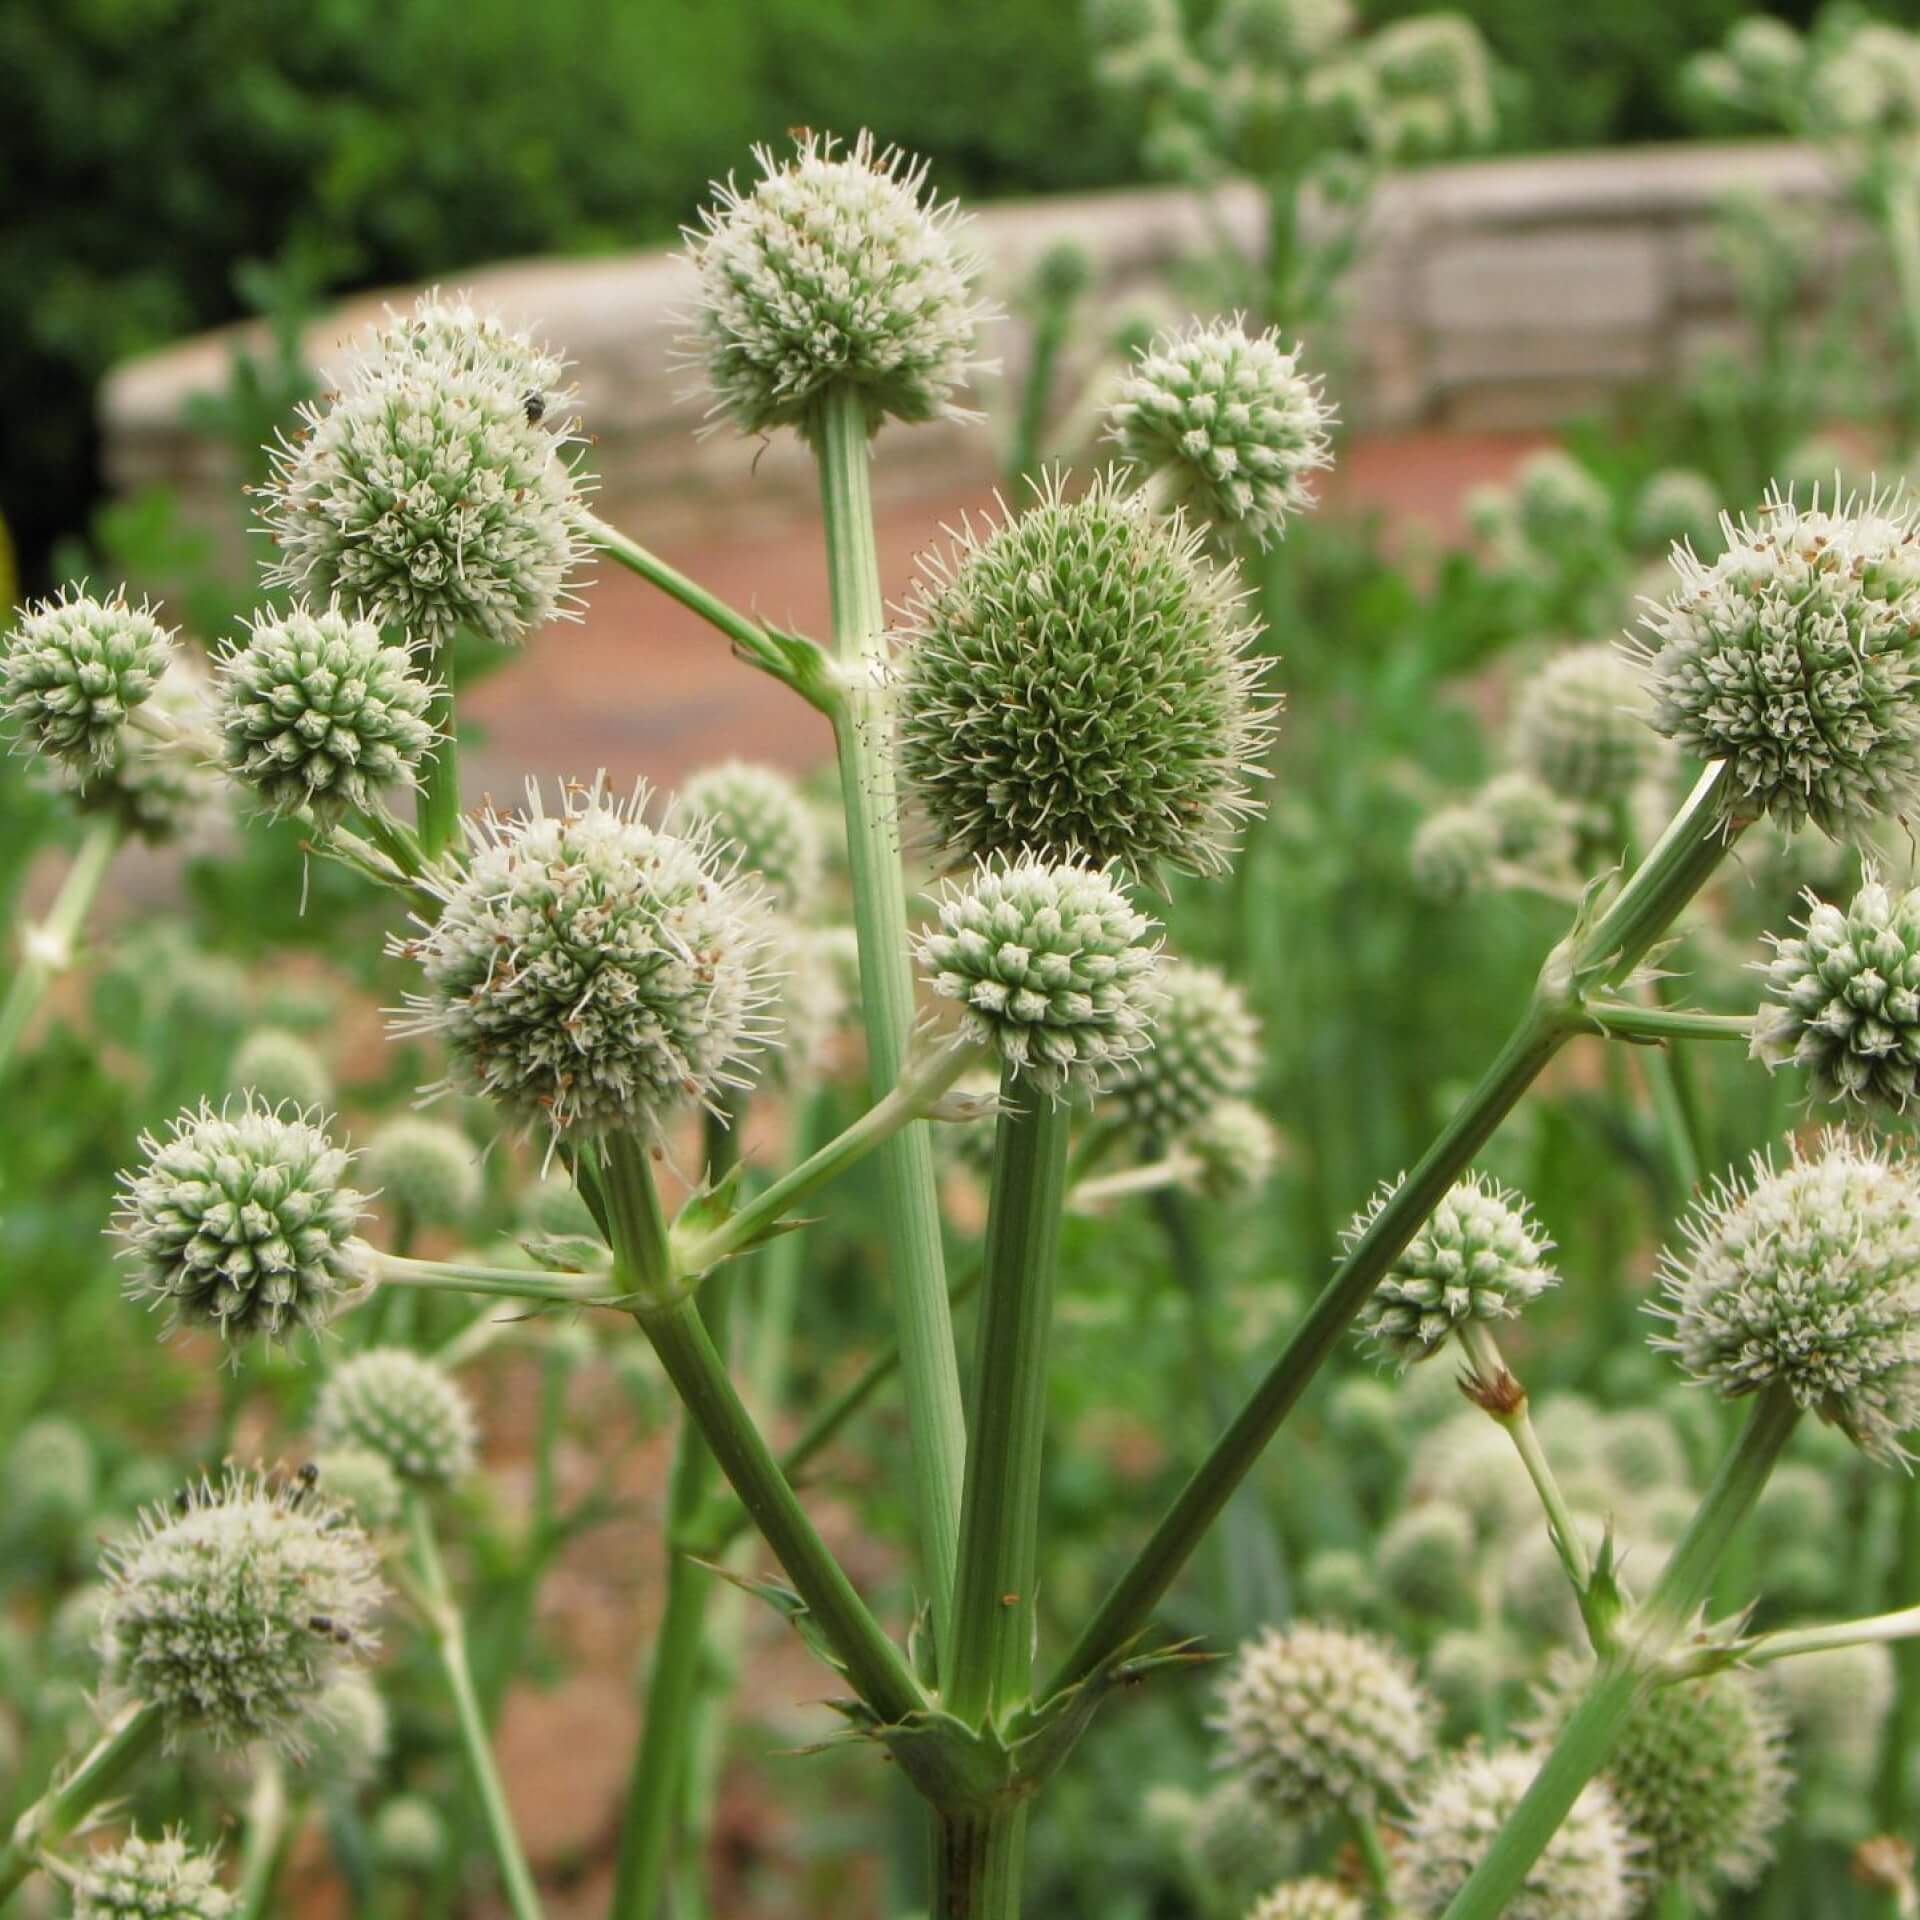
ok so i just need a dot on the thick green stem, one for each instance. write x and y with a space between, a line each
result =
269 1837
1596 956
437 797
1624 1021
131 1738
936 1425
47 950
977 1863
1902 204
1632 1668
440 1614
1365 1831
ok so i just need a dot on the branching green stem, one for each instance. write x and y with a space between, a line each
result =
47 950
1627 1020
132 1737
508 1283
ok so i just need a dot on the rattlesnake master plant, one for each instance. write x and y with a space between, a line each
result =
1480 1255
232 1610
74 669
162 1879
1076 682
241 1220
1454 853
1317 1719
424 497
448 330
1807 1277
1795 656
276 1068
1849 987
835 271
1206 1049
1235 1149
1584 1873
1053 966
317 711
391 1402
588 971
760 817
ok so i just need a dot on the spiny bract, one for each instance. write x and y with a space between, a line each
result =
589 971
1206 1048
317 711
1478 1256
140 1879
1584 1873
233 1609
1054 966
241 1220
1849 987
405 1408
75 668
1793 657
834 271
759 816
1320 1719
1076 681
1580 726
1808 1277
1227 426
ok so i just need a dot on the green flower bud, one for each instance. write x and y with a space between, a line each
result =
274 1068
1641 1451
427 1168
1206 1049
362 1482
1798 1503
51 1479
759 817
834 271
1808 1278
1338 1582
150 1880
1238 1845
1314 1899
409 1837
1677 507
1580 726
1426 1558
1077 683
1235 1149
1533 827
74 669
1560 504
406 1409
349 1733
1454 852
1465 1668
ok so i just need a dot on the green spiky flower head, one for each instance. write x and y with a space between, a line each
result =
362 1482
1533 826
1479 1256
275 1067
1314 1899
241 1221
1226 426
159 785
74 669
407 1409
1794 657
162 1879
1319 1719
1585 1872
760 816
1559 502
1054 967
1807 1277
233 1609
1234 1149
427 1168
1580 726
1206 1049
1076 682
1677 507
317 711
834 271
1454 853
589 971
1289 35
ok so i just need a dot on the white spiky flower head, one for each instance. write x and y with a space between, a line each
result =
1314 1899
1078 681
1321 1719
233 1609
241 1220
1480 1255
1225 425
424 498
1585 1872
1234 1148
1697 1770
450 330
317 711
1206 1048
1453 854
1807 1277
1849 987
1795 657
1580 726
762 818
75 668
162 1879
349 1733
407 1409
589 971
427 1168
1054 966
836 270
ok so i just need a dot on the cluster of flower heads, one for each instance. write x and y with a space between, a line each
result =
432 491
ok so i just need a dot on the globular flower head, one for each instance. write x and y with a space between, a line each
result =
405 1408
349 1732
1237 1844
449 330
362 1482
1677 507
52 1478
1435 86
1426 1557
241 1220
426 1168
1319 1719
1560 503
1314 1899
1290 35
1053 966
423 497
233 1609
815 1005
1585 1871
317 711
1533 826
162 1879
1234 1149
1793 657
1076 682
160 786
758 816
409 1836
274 1067
1848 984
836 270
589 971
1206 1049
1580 726
1454 853
1808 1277
1226 425
1479 1256
74 668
